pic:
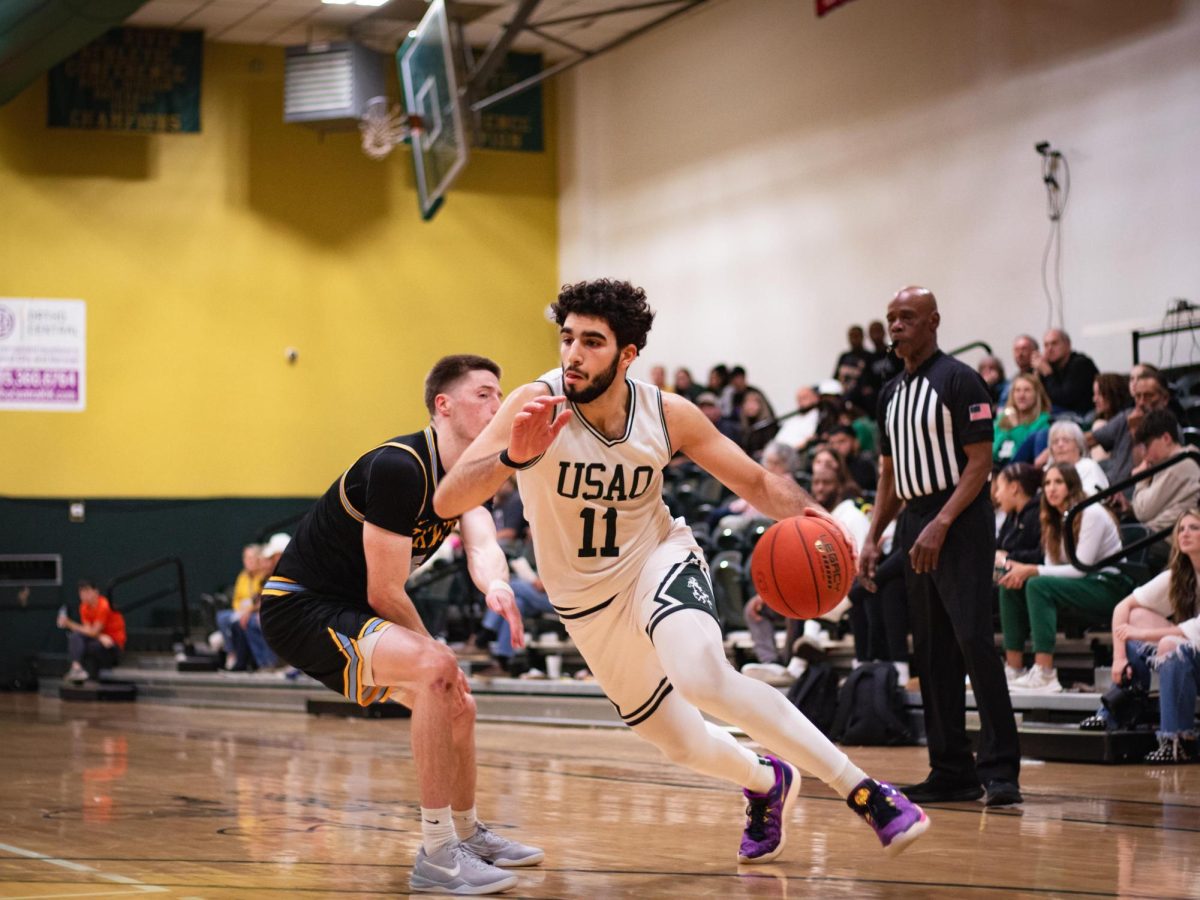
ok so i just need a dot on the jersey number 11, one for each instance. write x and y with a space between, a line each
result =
609 548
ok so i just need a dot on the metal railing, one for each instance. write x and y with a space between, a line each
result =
1111 491
174 562
987 348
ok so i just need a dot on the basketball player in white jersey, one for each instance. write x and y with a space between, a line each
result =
589 446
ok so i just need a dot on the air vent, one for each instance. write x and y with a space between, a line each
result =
31 569
328 85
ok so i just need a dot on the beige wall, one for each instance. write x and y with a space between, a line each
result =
202 257
770 177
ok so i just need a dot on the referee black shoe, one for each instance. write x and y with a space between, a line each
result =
940 790
1003 793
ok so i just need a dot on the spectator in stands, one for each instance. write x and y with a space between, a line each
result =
853 370
991 370
1159 501
843 440
1067 375
1032 595
1149 392
1024 350
1110 396
1158 625
246 588
97 640
885 365
826 458
1028 411
718 377
800 428
509 514
711 407
1020 536
250 648
1067 444
831 409
757 423
658 378
685 385
777 458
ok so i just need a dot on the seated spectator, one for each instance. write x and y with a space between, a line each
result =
1066 375
1159 501
1158 625
826 458
711 407
718 377
1028 411
757 423
853 370
991 370
1024 350
1149 392
885 365
508 512
658 378
1032 595
799 428
1110 396
843 440
531 597
685 385
97 640
832 407
777 458
249 647
1016 495
1067 444
246 589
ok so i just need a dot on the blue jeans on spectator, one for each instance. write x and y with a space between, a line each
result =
529 601
248 646
1178 678
91 654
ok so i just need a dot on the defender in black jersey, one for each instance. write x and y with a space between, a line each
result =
935 422
336 608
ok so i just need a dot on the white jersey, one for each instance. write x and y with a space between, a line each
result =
595 505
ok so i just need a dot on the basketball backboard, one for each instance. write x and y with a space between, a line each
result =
426 68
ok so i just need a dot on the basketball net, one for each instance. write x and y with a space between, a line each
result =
383 126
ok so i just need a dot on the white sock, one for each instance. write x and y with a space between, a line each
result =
437 829
464 822
901 672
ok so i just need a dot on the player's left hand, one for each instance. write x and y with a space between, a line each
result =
928 547
500 598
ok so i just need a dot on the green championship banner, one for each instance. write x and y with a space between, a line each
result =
142 80
515 123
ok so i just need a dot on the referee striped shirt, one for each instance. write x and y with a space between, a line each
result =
926 419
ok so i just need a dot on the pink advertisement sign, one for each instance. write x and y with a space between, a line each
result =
43 354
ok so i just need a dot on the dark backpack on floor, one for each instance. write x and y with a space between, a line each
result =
871 709
815 693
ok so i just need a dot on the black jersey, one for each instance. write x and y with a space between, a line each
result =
390 486
925 420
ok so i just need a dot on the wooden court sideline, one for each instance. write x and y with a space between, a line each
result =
112 800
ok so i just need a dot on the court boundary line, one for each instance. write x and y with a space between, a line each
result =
133 883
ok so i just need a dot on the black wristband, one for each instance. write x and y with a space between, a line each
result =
508 460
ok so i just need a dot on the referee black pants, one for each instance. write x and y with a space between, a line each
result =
950 610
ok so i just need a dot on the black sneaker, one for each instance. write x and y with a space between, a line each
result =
1003 793
937 790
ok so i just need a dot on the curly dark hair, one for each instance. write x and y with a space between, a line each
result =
618 303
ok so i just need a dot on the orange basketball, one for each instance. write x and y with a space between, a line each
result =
802 567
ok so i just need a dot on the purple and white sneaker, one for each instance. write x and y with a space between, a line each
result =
896 819
766 815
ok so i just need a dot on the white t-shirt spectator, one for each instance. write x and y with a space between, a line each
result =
1155 595
1098 538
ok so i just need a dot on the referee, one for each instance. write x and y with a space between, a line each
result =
935 422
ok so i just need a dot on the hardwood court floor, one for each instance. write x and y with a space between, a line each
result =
110 800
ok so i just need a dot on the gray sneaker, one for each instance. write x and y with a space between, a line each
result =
499 851
452 870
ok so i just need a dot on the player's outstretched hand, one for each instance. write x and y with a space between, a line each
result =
500 598
535 427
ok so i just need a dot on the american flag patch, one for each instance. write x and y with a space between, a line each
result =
978 412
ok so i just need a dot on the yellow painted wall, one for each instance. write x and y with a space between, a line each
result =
202 257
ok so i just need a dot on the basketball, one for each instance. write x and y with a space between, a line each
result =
802 567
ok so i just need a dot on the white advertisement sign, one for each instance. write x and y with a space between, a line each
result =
43 354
